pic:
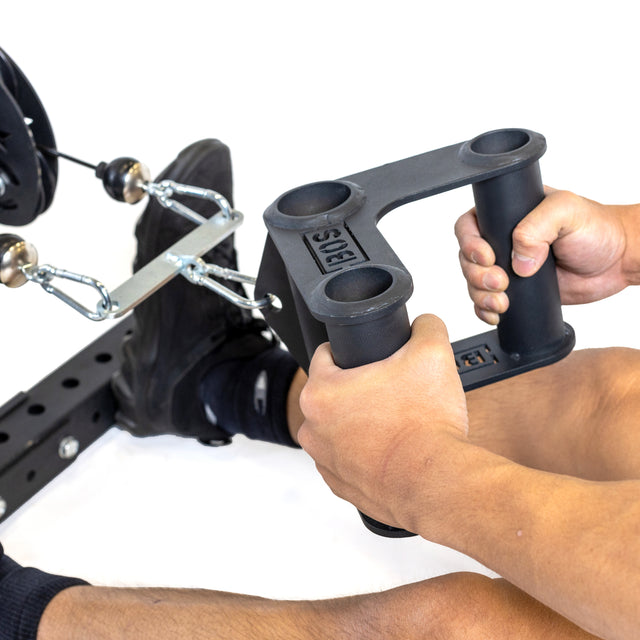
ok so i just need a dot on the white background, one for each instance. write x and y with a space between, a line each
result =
301 92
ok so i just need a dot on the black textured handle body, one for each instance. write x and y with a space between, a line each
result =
354 345
533 322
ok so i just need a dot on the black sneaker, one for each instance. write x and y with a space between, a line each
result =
182 330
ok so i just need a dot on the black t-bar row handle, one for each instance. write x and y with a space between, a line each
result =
339 280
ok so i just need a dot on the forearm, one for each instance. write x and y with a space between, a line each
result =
524 524
420 611
401 451
450 607
102 613
576 417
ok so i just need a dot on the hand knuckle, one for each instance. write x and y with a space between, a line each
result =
565 199
307 399
306 439
458 227
525 233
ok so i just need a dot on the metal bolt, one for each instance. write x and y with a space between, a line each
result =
68 448
3 507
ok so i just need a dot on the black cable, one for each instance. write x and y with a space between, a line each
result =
59 154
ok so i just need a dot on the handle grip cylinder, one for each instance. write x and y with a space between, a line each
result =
533 323
354 345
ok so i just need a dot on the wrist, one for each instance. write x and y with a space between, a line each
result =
464 485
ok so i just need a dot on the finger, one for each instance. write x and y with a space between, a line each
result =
314 443
493 302
339 487
490 317
429 330
429 343
483 278
359 498
553 218
322 361
346 490
305 437
474 247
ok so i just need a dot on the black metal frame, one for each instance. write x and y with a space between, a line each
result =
75 401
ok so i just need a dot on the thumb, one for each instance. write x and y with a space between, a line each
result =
537 231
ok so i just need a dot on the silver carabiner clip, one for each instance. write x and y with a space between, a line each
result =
44 274
199 272
163 192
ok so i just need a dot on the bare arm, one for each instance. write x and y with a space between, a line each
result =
577 417
511 418
103 613
399 450
571 544
531 418
450 607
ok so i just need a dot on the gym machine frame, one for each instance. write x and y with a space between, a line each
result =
332 272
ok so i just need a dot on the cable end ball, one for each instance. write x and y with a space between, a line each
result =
123 179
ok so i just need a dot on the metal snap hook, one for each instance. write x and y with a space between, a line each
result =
44 275
199 272
163 192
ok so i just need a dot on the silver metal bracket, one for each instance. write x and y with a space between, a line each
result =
163 267
144 282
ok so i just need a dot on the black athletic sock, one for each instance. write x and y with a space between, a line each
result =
249 395
24 595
